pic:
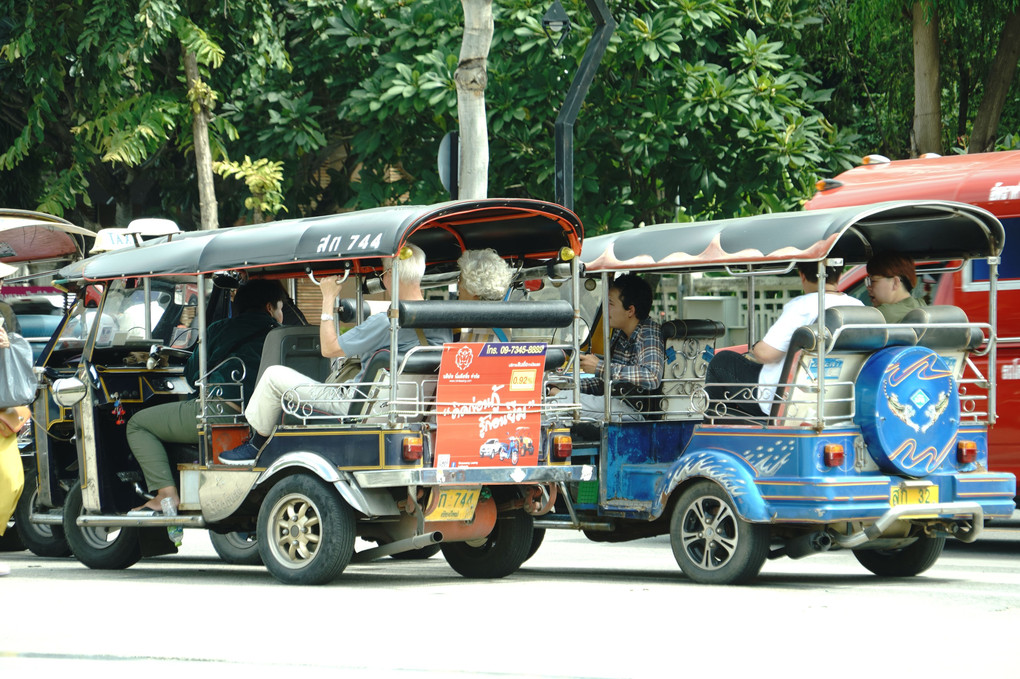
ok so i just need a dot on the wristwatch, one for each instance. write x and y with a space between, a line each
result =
326 317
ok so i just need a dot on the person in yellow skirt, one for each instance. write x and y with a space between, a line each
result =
12 475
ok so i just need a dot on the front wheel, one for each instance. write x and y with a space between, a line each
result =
917 557
40 538
710 541
103 548
499 554
238 549
305 531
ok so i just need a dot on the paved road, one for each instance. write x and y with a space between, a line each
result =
577 609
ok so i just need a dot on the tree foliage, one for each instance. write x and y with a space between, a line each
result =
699 109
863 52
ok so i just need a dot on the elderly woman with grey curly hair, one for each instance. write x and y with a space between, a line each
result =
483 276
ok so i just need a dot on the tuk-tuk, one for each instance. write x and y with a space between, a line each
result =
396 465
876 440
46 242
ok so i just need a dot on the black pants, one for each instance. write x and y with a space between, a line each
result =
729 367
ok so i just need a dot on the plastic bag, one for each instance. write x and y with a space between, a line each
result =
18 382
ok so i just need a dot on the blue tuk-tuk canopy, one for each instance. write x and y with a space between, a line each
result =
923 230
520 228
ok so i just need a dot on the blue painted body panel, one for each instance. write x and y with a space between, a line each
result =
774 475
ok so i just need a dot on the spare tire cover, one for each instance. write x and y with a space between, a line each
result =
908 408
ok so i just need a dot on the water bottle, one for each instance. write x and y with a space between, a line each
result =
176 533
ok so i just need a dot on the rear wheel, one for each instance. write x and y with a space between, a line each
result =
40 538
305 531
497 555
104 548
238 549
917 557
710 541
536 541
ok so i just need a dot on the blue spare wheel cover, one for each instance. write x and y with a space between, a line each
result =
908 408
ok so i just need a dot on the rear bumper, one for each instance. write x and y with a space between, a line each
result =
467 476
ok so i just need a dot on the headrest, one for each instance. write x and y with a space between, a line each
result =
943 338
692 328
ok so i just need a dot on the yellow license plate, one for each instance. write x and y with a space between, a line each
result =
913 495
455 504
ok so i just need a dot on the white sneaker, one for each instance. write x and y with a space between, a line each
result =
5 569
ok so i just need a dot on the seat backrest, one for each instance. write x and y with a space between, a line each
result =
952 344
686 361
852 346
416 380
297 347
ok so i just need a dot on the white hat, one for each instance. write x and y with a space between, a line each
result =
6 270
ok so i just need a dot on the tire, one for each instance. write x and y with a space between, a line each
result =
711 543
536 541
417 554
238 549
917 557
99 548
514 457
41 539
305 531
502 553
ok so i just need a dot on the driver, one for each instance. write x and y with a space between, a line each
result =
259 308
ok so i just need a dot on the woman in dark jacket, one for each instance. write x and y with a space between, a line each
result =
259 307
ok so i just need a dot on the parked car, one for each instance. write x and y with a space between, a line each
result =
491 448
399 467
877 441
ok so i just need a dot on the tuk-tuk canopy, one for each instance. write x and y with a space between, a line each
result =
27 236
519 228
923 230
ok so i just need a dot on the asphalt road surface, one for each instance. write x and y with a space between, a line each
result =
576 609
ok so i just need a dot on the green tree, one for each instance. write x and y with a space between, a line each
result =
95 109
699 105
864 52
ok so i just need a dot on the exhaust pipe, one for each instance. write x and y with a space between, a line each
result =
405 545
804 545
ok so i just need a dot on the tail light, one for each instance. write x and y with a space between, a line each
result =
562 447
966 452
834 455
412 448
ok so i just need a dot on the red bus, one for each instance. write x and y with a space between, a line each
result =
990 181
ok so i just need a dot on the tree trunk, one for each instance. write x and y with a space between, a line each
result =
200 132
997 84
471 77
927 109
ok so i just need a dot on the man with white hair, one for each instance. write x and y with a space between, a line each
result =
265 408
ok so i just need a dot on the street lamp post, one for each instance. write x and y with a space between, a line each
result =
564 131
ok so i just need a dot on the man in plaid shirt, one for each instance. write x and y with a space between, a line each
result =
636 353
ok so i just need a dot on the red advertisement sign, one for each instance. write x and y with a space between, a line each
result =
489 396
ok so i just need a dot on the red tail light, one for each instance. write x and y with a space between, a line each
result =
412 448
834 455
562 447
966 452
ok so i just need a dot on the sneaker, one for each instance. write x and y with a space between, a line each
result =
5 569
243 454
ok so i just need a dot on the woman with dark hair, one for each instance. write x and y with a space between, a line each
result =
259 308
891 280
